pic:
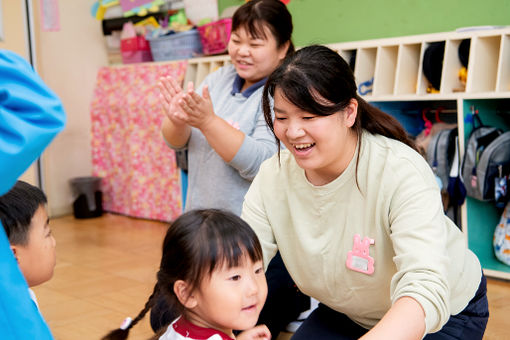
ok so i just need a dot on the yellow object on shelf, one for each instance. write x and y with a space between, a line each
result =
463 75
431 89
148 21
99 8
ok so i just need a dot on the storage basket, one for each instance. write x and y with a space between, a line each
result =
182 45
215 35
135 50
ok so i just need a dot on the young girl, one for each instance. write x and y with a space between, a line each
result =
357 216
222 128
212 269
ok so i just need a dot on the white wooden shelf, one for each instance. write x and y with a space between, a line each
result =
399 81
396 63
199 68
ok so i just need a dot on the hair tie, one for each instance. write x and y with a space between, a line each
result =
126 323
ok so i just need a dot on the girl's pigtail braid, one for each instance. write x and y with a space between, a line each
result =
123 332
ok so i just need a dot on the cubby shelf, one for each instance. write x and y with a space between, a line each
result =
399 83
396 63
199 68
389 73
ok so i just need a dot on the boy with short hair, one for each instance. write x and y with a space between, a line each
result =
25 221
31 115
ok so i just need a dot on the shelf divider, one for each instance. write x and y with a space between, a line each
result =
408 66
483 64
385 70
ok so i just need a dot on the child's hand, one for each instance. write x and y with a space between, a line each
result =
258 332
171 94
198 108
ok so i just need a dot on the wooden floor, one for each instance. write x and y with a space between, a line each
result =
106 270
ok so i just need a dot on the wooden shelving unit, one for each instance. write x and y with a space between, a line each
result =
399 84
199 68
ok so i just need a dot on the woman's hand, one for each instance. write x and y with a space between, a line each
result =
171 94
199 109
186 109
257 332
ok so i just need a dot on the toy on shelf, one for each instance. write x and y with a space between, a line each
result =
99 8
127 8
140 7
134 47
215 36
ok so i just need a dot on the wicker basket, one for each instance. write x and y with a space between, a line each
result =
182 45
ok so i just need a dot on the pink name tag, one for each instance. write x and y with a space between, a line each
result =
359 259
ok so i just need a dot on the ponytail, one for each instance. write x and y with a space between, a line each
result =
377 122
123 332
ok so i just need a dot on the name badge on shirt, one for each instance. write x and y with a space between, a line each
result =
359 259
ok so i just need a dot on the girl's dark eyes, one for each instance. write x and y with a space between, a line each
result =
280 118
259 270
235 278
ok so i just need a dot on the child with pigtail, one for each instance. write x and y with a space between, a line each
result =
212 269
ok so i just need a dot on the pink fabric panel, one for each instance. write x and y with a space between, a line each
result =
140 177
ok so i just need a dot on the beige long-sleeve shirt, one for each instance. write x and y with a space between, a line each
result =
416 251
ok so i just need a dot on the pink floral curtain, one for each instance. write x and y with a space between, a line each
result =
140 177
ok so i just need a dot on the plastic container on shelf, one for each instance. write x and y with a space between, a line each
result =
135 50
181 45
87 196
215 36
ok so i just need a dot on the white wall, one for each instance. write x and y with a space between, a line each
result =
13 26
68 61
14 31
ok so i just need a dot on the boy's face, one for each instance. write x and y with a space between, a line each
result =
37 258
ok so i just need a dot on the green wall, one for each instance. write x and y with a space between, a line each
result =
330 21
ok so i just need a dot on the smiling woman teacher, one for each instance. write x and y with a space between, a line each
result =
357 215
221 125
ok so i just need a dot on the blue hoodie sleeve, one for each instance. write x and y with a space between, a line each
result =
30 117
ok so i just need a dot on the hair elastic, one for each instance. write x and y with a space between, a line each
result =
126 323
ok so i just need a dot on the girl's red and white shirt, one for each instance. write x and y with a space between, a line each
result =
182 329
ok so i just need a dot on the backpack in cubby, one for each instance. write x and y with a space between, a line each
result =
440 153
478 141
501 240
494 163
443 157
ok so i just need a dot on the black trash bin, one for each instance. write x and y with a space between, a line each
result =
87 196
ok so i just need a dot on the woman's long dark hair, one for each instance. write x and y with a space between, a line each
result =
197 243
273 14
315 72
